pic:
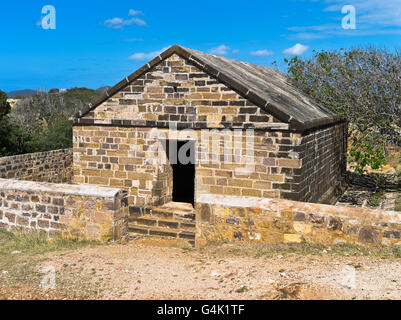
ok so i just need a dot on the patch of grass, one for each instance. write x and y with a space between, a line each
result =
185 247
291 291
376 199
263 250
281 296
398 203
20 254
34 243
284 249
242 289
394 160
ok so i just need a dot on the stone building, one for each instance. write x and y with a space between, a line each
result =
244 129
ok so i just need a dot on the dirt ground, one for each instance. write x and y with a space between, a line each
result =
138 271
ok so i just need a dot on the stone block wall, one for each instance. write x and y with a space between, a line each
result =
321 171
175 91
128 158
52 166
225 218
83 212
286 165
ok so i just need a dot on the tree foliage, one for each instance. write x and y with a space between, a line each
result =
364 86
10 134
40 122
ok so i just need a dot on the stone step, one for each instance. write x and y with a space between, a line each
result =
155 221
171 210
175 210
136 230
190 217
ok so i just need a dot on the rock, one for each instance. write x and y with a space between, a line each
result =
215 274
368 235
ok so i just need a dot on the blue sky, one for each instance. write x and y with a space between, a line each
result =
98 43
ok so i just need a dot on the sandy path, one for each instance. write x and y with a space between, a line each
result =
143 272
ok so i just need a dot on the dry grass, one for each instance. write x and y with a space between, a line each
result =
263 250
398 203
394 159
235 270
22 252
87 270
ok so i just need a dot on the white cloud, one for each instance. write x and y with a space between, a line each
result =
133 13
115 23
147 56
262 53
296 50
373 17
220 50
133 40
120 23
139 22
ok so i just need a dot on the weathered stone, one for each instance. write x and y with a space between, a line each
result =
273 221
302 228
292 238
368 235
300 216
232 220
86 212
204 212
335 224
238 235
314 218
392 234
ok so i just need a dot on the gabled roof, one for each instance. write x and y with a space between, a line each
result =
267 88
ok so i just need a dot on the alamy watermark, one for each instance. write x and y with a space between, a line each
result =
207 146
48 21
349 20
348 277
49 279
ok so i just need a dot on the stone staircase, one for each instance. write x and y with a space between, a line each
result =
174 222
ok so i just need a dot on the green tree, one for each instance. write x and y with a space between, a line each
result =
5 107
5 138
364 86
45 118
53 136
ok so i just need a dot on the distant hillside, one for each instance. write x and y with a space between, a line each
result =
21 93
28 92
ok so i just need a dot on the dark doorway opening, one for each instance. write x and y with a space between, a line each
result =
181 155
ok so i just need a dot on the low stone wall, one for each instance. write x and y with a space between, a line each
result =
222 218
70 211
52 166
